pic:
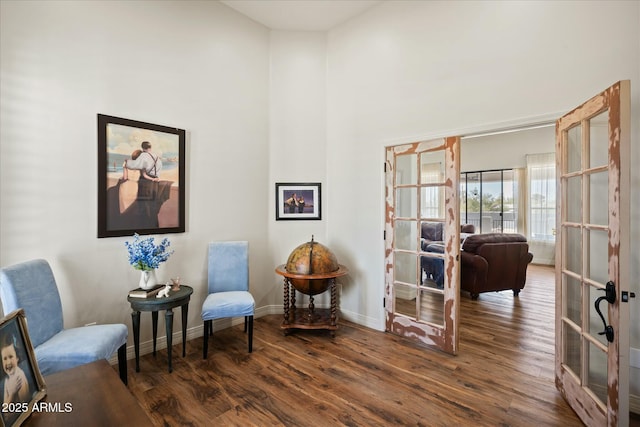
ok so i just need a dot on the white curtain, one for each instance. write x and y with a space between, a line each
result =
541 209
521 197
432 198
541 171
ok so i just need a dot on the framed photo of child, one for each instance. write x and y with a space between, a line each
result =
141 178
22 383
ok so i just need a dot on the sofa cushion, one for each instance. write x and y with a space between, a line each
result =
473 242
435 247
432 231
467 228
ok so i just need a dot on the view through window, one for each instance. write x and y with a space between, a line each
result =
512 200
489 200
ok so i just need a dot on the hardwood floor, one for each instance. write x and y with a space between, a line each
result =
503 375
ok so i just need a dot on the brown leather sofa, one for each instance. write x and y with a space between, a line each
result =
432 236
494 262
433 232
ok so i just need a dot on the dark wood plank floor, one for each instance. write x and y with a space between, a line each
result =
503 375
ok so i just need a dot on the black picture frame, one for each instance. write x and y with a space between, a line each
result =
130 201
309 193
15 342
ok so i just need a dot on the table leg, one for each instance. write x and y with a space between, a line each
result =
293 300
294 309
135 319
185 310
168 320
312 308
154 321
286 302
334 301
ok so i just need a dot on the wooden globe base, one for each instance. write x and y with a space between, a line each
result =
310 284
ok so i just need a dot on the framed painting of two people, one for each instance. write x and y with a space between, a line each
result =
141 178
296 201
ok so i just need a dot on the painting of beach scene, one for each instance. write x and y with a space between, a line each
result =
141 178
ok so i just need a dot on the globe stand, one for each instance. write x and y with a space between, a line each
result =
311 308
309 318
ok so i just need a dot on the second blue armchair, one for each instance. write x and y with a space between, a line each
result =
228 282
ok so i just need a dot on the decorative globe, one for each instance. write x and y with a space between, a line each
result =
311 258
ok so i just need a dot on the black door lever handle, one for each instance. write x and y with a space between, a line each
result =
610 297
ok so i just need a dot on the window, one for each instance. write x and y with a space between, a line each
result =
489 200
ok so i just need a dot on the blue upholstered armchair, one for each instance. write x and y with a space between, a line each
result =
31 286
228 281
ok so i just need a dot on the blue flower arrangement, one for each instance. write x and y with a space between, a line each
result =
145 255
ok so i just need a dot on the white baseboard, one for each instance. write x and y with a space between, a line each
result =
634 403
359 319
634 357
634 362
544 261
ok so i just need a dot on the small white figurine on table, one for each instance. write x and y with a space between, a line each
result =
165 292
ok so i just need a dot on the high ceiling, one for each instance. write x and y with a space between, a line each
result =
301 15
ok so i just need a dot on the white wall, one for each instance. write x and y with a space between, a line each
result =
198 66
297 135
407 71
481 153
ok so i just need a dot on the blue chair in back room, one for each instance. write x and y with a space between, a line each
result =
31 286
228 281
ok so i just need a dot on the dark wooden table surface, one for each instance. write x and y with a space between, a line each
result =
90 394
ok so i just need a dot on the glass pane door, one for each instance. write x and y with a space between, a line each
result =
591 267
422 242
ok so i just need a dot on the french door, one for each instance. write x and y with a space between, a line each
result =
422 288
592 269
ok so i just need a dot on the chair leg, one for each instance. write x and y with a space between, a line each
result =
250 333
208 326
122 362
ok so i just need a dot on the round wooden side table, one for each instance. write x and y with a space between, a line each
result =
179 298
